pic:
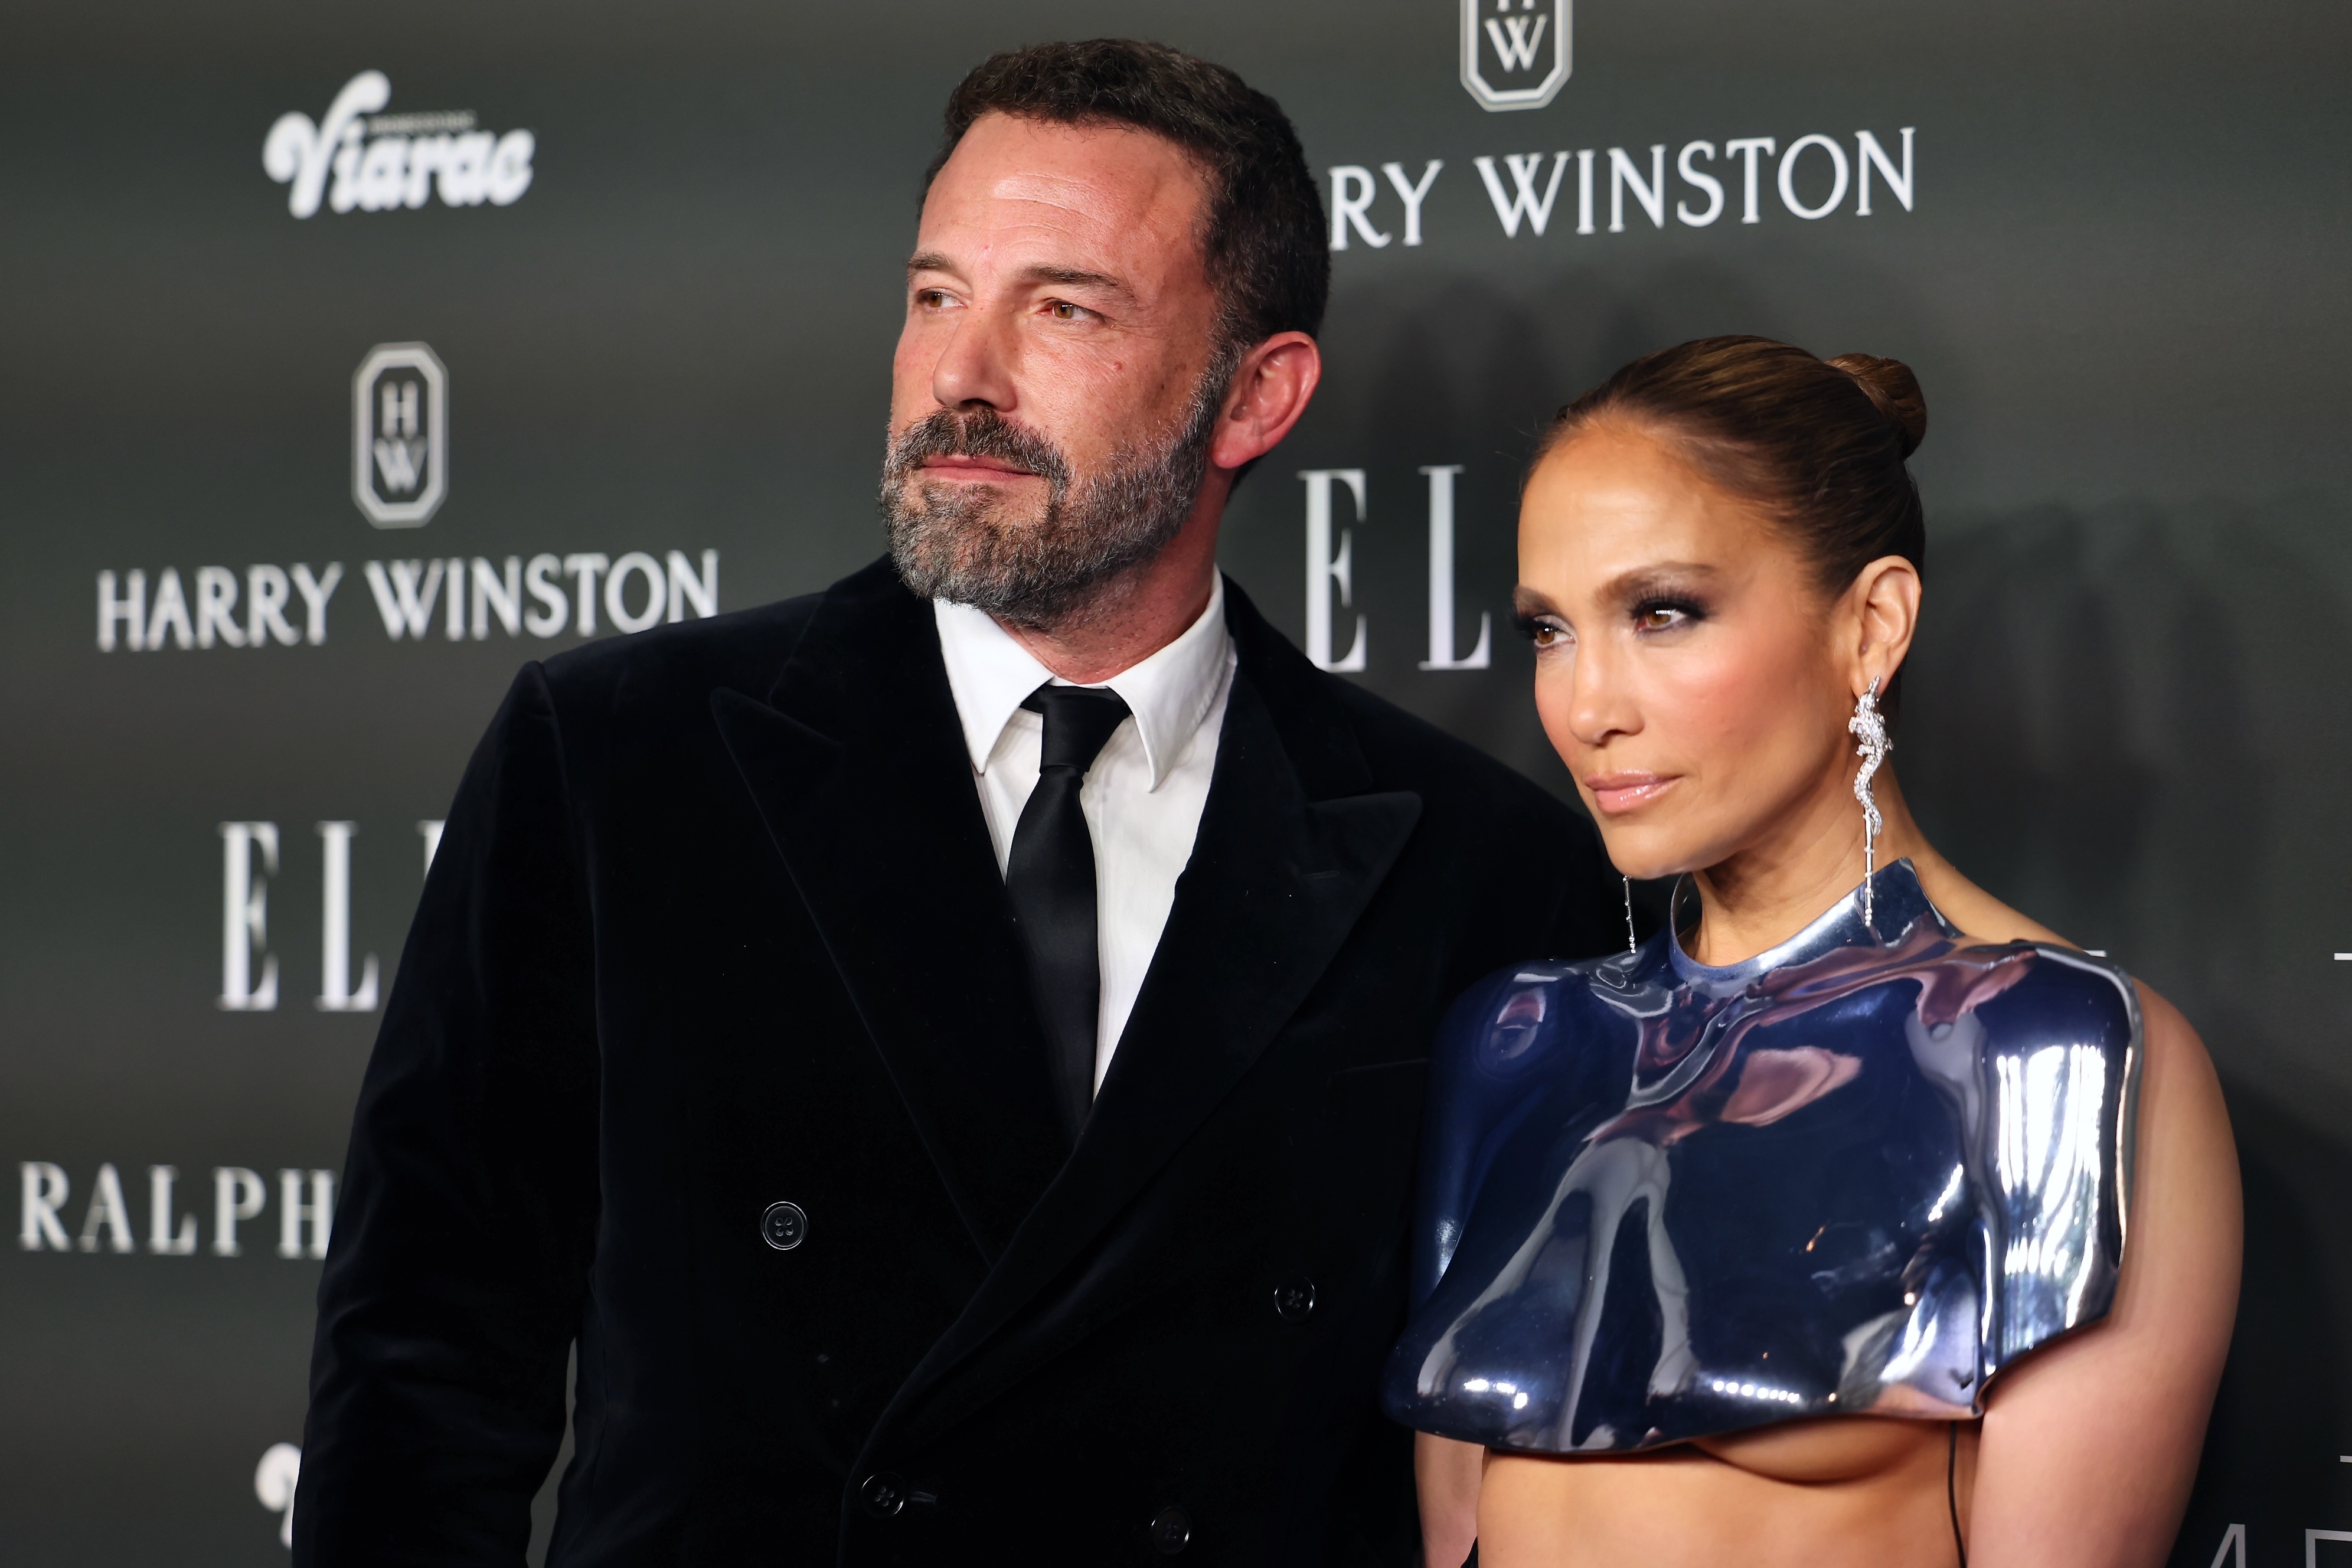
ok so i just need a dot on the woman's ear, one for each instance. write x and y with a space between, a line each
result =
1885 602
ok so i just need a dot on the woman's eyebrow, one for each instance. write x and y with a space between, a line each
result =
1664 577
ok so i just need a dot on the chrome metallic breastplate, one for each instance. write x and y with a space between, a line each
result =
1857 1174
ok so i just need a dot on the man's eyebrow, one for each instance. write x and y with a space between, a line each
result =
1078 277
1059 277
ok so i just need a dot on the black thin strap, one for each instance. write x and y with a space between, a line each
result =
1952 1489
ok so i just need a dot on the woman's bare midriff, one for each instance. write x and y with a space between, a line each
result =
1844 1492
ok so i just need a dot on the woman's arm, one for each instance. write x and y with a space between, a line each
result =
2090 1446
1445 1473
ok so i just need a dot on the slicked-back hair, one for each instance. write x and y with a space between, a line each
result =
1820 446
1263 238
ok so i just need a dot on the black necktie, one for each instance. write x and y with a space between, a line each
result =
1051 876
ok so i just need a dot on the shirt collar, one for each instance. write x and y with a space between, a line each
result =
1168 693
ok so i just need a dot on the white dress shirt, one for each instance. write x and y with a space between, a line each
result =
1142 797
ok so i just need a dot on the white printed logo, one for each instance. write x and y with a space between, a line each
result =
1515 53
400 435
385 160
274 1481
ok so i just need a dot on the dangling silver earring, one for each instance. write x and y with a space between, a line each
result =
1633 948
1870 729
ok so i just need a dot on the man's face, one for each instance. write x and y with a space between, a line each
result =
1051 398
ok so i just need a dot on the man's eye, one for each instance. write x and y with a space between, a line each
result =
931 299
1066 311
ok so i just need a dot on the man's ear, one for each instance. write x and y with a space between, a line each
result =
1270 389
1886 606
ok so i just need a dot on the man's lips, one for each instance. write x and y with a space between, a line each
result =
957 467
1615 793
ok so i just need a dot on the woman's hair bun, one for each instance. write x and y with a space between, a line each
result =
1894 391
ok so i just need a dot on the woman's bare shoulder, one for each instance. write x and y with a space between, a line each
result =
2180 1091
2175 1051
1974 910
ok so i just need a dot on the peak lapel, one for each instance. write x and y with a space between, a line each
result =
857 764
1278 879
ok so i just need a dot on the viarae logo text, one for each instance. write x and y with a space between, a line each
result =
380 162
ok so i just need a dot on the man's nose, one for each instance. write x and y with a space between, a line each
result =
976 365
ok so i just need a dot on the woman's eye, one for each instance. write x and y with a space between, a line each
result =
1662 617
1544 634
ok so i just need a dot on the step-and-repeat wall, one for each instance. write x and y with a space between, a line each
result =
352 355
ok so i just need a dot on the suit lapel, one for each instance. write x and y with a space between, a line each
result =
1291 849
857 765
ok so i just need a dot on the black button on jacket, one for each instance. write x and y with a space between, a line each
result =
716 923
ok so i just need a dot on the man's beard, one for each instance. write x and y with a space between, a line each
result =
967 543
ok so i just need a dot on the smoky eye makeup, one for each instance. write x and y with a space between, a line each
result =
1537 621
1665 612
1665 597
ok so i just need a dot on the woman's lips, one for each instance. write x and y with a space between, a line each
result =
1615 794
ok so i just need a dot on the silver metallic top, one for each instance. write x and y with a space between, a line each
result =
1857 1174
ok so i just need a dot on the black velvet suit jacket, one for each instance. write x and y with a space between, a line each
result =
716 923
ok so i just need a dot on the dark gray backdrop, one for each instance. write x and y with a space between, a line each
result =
2119 279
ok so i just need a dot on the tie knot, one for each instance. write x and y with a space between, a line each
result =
1078 722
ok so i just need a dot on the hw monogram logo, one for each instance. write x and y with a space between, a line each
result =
1515 53
400 435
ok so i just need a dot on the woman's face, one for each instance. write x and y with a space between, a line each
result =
1686 668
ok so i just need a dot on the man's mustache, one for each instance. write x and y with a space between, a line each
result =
983 433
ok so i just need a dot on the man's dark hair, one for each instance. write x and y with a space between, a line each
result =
1265 243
